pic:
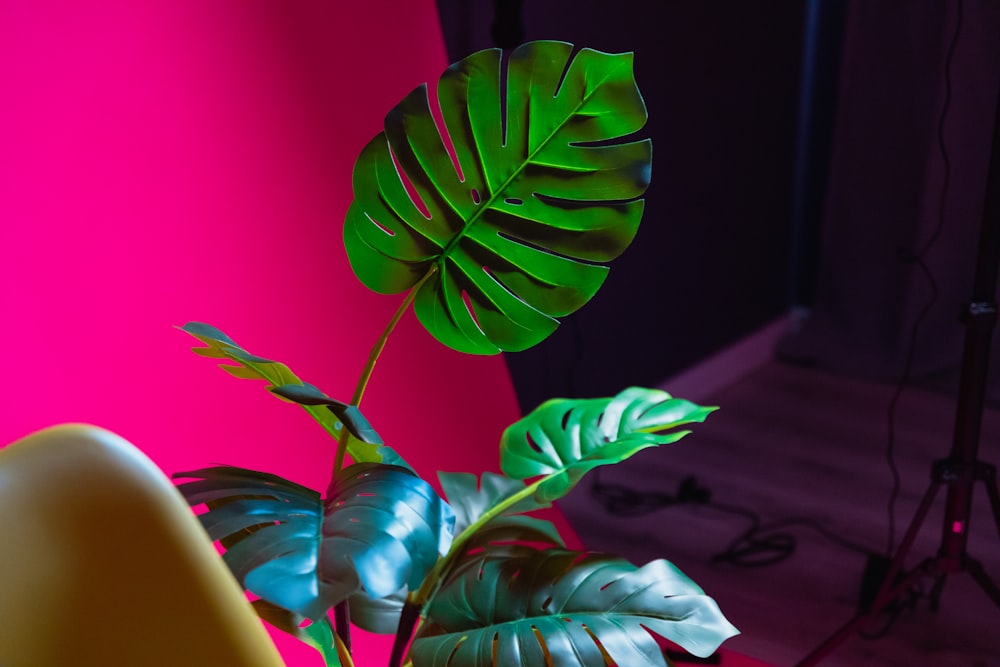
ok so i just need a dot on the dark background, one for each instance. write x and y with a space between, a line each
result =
797 169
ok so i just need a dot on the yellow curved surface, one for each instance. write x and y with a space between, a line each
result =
102 563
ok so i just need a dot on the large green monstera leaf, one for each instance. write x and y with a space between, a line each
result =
563 439
557 607
515 231
381 528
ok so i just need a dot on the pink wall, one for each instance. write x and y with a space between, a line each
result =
174 160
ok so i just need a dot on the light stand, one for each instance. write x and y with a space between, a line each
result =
961 469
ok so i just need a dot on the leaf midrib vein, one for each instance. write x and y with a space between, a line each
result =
488 203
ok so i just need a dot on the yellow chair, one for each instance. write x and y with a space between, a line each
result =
103 564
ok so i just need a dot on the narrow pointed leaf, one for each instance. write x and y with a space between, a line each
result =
563 439
521 230
365 446
319 633
514 607
381 528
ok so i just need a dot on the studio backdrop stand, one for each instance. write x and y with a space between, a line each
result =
961 470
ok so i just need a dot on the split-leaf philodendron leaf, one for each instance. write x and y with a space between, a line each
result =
381 528
516 230
470 498
365 446
557 607
563 439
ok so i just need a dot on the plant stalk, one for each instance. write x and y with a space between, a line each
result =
432 582
341 615
342 624
373 357
404 631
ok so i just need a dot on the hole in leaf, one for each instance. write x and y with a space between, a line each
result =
451 656
548 250
378 224
562 77
600 646
475 196
435 105
411 190
542 645
365 494
504 64
514 201
545 605
565 419
495 645
531 443
467 300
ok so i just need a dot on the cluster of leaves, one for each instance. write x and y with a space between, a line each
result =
491 241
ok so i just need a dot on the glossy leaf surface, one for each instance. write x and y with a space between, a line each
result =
366 446
377 615
380 529
563 439
518 234
557 607
470 498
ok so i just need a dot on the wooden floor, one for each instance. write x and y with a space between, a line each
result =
786 443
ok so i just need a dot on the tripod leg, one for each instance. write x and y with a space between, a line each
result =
886 596
989 478
975 568
935 596
887 592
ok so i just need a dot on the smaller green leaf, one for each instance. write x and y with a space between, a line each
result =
319 633
365 446
563 439
470 499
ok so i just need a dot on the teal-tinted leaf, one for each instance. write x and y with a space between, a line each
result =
381 528
366 446
556 607
563 439
389 523
378 615
519 234
319 633
470 499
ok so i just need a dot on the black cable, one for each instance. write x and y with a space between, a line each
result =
760 545
917 258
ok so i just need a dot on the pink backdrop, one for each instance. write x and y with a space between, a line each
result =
174 160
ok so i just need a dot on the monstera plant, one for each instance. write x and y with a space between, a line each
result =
493 228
